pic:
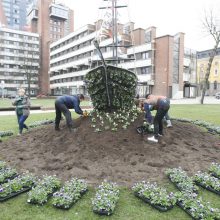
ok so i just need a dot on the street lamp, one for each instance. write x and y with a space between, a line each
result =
3 86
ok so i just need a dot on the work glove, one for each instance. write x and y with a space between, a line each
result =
85 114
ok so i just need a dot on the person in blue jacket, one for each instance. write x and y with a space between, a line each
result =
63 104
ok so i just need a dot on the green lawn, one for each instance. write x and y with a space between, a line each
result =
36 102
128 207
209 113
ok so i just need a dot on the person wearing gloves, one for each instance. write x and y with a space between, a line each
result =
22 109
162 105
63 104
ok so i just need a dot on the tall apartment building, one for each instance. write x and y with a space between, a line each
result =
158 61
13 13
214 78
51 21
19 58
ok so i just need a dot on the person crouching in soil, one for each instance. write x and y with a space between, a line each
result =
162 105
63 104
22 104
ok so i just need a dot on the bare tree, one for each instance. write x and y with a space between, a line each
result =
212 26
29 67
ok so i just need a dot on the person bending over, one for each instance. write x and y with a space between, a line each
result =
63 104
161 104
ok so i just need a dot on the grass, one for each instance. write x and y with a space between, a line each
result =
46 103
128 207
209 113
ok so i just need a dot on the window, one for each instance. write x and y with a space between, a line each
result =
145 55
147 37
216 72
145 70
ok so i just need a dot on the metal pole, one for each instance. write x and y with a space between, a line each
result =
116 34
113 28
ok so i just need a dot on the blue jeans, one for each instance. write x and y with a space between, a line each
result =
21 120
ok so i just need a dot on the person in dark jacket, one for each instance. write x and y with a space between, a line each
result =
63 104
162 105
22 104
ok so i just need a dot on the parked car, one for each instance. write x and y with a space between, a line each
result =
217 95
11 96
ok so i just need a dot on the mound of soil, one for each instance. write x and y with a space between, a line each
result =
124 156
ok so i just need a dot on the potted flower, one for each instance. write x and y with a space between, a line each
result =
69 194
105 198
154 195
214 169
6 133
195 207
44 189
181 180
207 181
18 185
7 174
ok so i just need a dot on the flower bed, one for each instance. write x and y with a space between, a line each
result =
208 182
7 174
213 129
44 189
196 208
181 180
18 185
154 195
120 119
69 194
214 169
6 133
39 123
105 199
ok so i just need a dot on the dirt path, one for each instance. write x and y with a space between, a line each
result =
124 157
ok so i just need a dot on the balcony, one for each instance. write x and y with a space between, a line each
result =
32 15
58 12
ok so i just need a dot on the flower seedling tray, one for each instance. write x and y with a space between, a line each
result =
66 208
208 188
102 212
83 192
2 199
63 207
186 210
9 178
215 175
158 207
180 189
48 196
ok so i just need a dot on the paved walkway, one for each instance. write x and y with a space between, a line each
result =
207 100
34 111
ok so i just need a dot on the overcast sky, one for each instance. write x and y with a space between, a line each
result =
168 16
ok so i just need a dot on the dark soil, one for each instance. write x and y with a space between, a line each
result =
124 156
